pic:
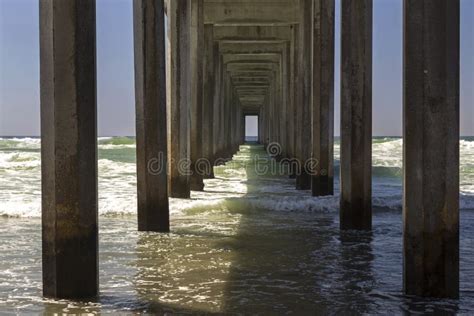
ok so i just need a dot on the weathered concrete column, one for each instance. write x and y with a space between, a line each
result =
179 97
261 124
223 115
268 117
228 116
285 107
219 109
431 148
266 120
322 182
227 122
237 120
304 93
197 48
150 95
242 127
273 128
215 103
229 98
69 148
280 106
269 114
235 124
292 126
208 98
356 115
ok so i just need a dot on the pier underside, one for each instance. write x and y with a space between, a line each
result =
274 59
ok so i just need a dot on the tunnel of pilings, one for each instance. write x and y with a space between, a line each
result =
226 60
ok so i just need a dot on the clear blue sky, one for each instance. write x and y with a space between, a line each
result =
19 67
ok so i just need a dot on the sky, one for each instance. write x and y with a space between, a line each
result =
19 68
251 125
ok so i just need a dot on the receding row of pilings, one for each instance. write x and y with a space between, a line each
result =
218 72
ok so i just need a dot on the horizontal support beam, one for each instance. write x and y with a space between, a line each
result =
250 12
252 32
252 48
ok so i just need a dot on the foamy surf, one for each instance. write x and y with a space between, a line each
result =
20 181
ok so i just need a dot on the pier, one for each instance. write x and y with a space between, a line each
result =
215 63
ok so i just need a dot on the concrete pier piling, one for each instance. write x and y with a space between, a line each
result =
218 108
197 72
229 59
356 115
431 148
216 128
292 122
322 182
69 148
304 93
151 129
179 98
208 101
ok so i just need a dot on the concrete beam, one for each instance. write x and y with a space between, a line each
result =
249 83
237 47
246 72
280 55
252 32
431 148
150 96
251 12
255 92
244 79
258 57
262 55
249 87
69 148
249 67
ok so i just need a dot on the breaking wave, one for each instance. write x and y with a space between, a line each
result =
20 181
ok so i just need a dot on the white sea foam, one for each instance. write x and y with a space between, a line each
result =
20 143
20 181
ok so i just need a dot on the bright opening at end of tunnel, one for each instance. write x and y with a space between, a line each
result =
251 128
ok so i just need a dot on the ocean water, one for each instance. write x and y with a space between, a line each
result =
248 243
20 181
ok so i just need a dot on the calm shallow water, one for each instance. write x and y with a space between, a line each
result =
243 246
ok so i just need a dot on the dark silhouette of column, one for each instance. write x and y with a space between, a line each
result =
323 98
179 98
292 117
208 99
304 93
356 115
197 49
431 148
69 148
150 95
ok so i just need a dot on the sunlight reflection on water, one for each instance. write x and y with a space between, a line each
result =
236 255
